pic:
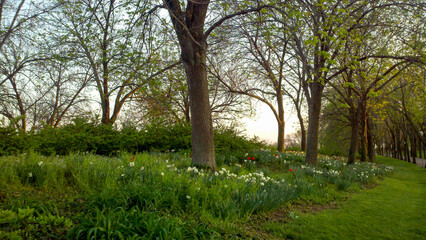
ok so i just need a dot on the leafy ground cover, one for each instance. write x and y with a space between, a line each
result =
160 195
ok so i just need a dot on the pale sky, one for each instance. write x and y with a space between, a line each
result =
264 125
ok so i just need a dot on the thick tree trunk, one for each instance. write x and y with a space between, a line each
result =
370 142
313 128
105 110
354 136
281 122
194 60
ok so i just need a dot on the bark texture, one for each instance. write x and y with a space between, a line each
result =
189 28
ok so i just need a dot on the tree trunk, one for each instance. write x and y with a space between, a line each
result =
354 136
186 112
413 148
194 60
281 122
189 28
370 142
406 149
105 109
393 144
313 128
398 145
363 136
302 130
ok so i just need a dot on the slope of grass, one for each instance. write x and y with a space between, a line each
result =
396 209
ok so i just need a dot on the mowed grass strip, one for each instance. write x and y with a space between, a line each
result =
396 209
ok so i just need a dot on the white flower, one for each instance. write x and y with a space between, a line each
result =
216 173
198 189
262 184
40 163
226 186
132 164
142 168
122 174
238 165
30 174
187 196
162 174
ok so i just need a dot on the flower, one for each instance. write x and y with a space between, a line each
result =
131 159
122 174
252 158
30 174
262 184
142 168
291 170
162 174
249 158
132 164
187 196
40 163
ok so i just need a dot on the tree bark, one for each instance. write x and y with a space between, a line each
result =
406 149
313 128
370 142
398 144
281 122
363 134
201 120
354 136
189 30
413 148
302 130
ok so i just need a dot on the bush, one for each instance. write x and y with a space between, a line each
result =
84 136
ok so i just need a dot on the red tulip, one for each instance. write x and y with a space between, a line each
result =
249 158
291 170
252 158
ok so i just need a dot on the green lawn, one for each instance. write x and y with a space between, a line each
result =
396 209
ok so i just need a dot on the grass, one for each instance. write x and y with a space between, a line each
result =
258 195
396 209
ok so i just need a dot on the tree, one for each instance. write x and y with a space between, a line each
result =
320 30
189 29
118 41
255 66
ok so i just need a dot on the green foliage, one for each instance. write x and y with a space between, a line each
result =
27 222
84 136
160 195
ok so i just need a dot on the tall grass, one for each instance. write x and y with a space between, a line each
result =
160 195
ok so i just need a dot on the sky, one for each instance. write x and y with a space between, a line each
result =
264 125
